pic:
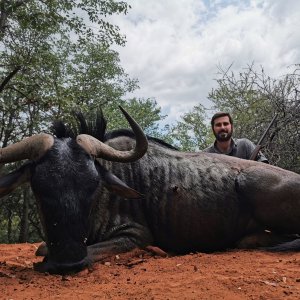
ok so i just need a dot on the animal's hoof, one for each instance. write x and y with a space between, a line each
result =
40 267
42 250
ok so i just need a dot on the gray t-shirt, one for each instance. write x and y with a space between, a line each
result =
241 148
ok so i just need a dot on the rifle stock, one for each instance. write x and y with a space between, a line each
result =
255 152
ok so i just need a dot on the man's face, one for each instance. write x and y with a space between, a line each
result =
222 129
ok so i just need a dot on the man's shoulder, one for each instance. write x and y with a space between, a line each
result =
243 141
244 148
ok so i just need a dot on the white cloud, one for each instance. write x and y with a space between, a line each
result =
173 46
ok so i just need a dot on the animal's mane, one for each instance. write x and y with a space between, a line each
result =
96 128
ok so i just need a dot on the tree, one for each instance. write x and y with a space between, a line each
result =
29 28
192 133
54 59
145 111
253 98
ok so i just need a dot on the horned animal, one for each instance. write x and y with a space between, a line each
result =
98 198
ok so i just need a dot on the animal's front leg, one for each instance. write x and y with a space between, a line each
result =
120 239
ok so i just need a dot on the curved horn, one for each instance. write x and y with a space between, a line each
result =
98 149
29 148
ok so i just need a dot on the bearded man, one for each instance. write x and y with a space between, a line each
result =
222 127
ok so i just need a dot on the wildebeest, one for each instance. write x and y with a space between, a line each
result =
97 198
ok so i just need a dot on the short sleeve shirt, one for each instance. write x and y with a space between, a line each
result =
241 148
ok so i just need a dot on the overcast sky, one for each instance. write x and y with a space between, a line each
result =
174 47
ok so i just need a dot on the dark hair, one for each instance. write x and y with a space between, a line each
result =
219 115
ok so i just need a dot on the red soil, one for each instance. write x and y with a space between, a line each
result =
140 275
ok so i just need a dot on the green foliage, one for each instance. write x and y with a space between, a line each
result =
94 78
55 56
191 133
52 17
145 112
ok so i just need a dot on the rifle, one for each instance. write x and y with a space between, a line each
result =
259 144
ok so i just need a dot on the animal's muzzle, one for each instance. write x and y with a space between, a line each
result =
52 267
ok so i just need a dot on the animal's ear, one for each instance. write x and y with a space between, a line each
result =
117 186
11 181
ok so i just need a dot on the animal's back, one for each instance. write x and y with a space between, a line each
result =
190 200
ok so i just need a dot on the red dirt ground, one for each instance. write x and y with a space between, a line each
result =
140 275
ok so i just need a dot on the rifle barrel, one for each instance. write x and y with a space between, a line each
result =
267 130
259 144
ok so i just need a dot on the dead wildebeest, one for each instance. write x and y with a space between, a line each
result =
98 198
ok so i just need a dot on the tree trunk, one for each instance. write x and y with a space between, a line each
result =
23 236
9 225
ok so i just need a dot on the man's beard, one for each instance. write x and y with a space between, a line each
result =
223 136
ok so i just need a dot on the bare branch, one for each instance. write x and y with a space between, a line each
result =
9 77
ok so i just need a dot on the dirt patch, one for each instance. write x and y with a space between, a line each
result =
140 275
